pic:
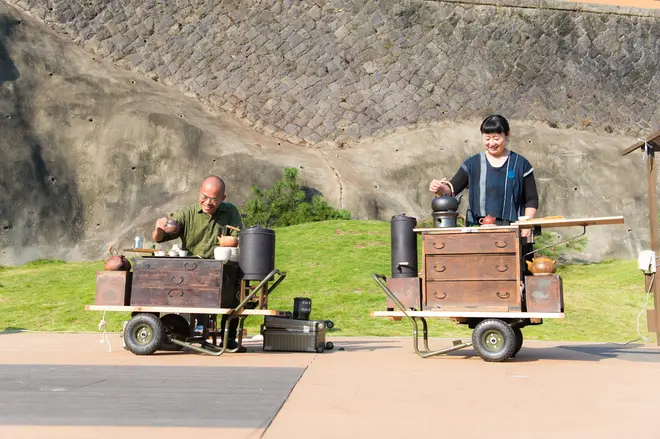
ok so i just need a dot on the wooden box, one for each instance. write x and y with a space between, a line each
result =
544 293
113 288
182 282
408 290
475 270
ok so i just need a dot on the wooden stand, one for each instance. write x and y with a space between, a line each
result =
649 146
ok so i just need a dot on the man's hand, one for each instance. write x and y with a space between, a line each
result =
525 232
439 187
159 232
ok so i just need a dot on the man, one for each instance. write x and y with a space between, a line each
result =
198 226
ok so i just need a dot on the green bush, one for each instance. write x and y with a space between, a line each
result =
286 204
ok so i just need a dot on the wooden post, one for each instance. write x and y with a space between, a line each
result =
648 147
653 220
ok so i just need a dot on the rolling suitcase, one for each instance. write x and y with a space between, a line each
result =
292 335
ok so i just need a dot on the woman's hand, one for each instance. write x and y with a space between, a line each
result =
439 187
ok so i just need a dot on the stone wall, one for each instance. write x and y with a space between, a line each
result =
337 71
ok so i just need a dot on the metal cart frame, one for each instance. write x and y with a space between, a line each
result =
147 330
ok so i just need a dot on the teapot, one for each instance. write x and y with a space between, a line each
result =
487 220
116 262
542 265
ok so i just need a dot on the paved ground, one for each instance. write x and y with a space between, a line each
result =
70 386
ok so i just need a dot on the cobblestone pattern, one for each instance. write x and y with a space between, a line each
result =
330 72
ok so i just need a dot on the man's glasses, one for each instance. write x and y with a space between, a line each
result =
203 198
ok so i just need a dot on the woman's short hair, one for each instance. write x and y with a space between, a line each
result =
495 124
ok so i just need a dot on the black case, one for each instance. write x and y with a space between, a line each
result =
290 335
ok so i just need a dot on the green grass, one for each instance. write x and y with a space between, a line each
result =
332 262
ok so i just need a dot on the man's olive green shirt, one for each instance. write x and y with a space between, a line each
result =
200 231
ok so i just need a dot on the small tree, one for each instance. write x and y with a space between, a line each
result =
286 204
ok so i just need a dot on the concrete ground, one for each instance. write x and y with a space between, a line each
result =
71 386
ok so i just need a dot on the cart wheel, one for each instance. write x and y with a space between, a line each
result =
176 327
329 345
320 348
494 340
329 324
519 341
144 334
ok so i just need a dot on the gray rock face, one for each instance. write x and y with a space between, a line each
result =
94 154
395 64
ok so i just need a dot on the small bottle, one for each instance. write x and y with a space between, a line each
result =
138 242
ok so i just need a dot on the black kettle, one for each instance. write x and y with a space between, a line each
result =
445 203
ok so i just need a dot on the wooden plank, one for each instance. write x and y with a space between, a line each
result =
501 315
174 309
655 244
140 250
475 229
554 223
650 139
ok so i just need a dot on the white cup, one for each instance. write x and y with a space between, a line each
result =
523 218
222 253
173 253
183 253
234 254
159 253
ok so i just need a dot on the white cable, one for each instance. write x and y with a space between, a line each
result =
104 325
639 316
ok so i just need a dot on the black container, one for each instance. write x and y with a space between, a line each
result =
302 308
257 255
403 242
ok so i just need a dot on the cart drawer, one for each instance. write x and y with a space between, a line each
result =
461 243
178 278
473 295
176 296
183 264
544 293
471 267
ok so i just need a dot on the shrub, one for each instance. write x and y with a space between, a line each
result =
286 204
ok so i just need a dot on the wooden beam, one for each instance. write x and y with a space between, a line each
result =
651 140
653 220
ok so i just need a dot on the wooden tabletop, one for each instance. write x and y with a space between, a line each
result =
184 309
568 222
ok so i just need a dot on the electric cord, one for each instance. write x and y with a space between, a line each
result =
639 316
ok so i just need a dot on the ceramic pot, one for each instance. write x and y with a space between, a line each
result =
228 241
487 220
117 263
542 266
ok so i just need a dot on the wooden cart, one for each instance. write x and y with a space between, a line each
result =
161 291
476 277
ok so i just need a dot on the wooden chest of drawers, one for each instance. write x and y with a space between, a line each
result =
469 269
191 282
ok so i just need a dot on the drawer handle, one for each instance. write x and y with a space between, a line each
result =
501 268
503 296
147 265
438 247
190 265
179 282
500 244
439 270
169 293
443 296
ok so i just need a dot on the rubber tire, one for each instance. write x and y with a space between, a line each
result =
136 325
519 341
320 349
496 327
178 327
329 324
329 345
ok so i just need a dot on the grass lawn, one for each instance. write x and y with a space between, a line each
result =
332 262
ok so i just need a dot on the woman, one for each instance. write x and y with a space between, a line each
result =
501 181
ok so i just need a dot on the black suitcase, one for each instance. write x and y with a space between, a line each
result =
291 335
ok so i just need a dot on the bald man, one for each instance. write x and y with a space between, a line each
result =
199 226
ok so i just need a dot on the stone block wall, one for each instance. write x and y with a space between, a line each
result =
331 72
